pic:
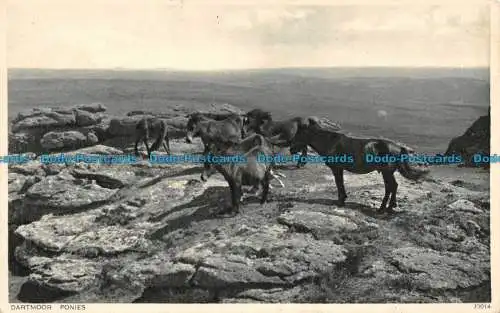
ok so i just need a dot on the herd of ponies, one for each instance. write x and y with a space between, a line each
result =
255 133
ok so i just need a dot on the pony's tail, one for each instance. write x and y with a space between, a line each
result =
411 172
407 171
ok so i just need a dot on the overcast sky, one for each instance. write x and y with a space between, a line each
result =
153 34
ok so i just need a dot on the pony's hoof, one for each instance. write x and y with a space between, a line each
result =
227 212
232 213
390 211
392 206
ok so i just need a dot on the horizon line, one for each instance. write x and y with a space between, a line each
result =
250 68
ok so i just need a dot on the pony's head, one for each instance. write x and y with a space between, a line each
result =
192 126
254 120
213 149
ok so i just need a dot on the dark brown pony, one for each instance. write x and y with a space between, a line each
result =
334 143
250 172
203 125
152 127
261 122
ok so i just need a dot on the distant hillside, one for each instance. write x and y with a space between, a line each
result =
425 107
477 73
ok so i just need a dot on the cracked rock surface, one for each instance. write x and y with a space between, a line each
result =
149 233
133 233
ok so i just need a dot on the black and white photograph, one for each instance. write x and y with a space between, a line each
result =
168 152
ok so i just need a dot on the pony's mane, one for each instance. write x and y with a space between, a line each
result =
324 123
260 114
327 129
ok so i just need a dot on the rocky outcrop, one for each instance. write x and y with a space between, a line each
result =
42 130
176 120
148 233
142 232
476 139
52 129
68 140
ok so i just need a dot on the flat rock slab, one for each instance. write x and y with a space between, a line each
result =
60 140
64 273
317 221
273 295
107 177
28 168
45 120
126 279
170 193
59 194
261 257
16 182
95 107
65 193
109 240
98 149
157 271
86 118
53 233
218 272
431 269
465 205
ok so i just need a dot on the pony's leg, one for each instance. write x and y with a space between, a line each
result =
338 173
235 198
147 147
388 189
394 189
137 145
168 145
303 155
265 187
165 147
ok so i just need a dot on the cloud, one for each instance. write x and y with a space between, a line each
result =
114 34
420 20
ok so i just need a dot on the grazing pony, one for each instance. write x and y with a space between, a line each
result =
152 127
251 171
203 125
334 143
228 129
261 122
